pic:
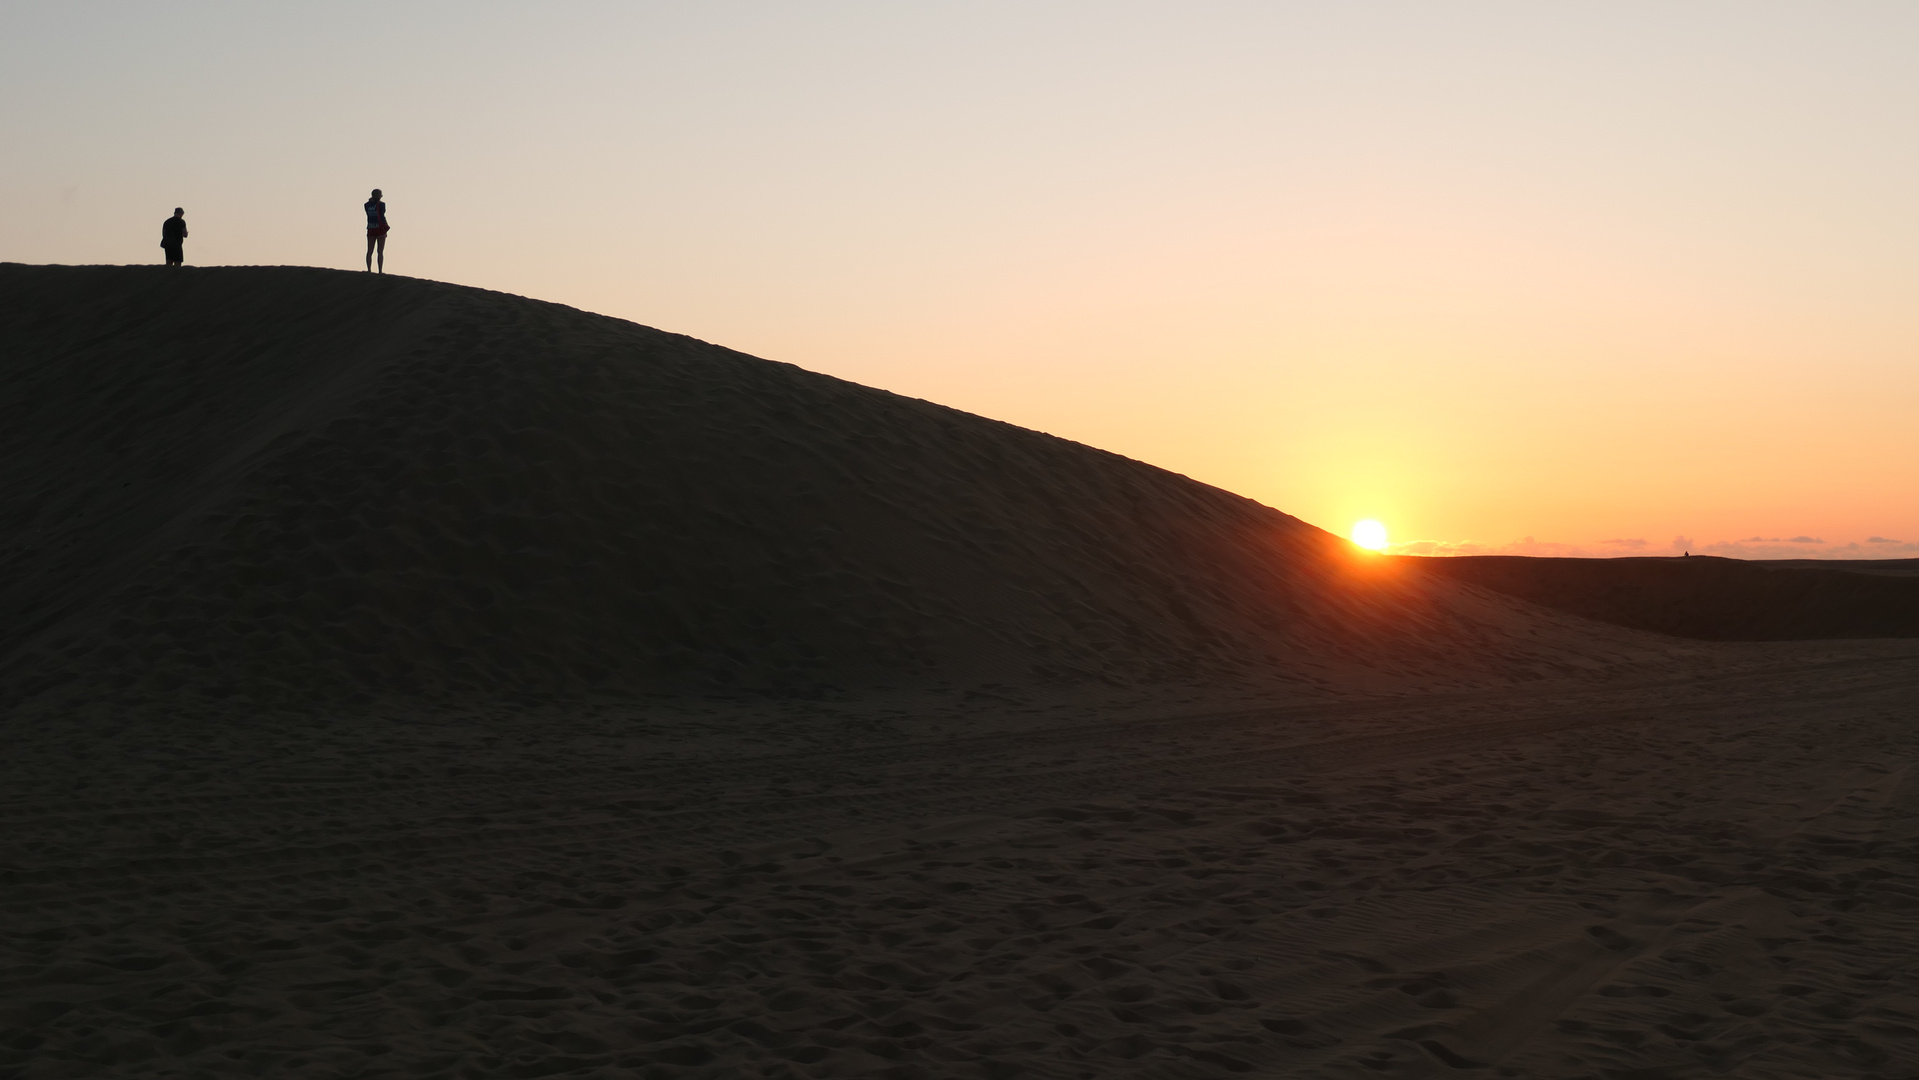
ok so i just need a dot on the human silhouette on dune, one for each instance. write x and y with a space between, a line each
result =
173 237
376 229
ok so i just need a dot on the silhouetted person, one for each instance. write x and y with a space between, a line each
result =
376 229
173 237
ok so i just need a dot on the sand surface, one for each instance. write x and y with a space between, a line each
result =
1897 567
402 680
1707 598
1702 877
272 486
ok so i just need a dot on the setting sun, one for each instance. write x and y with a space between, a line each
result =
1370 535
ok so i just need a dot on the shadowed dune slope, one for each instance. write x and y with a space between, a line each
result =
1703 597
285 484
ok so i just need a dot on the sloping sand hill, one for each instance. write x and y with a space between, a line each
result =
280 485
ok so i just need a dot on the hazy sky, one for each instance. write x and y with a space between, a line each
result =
1580 272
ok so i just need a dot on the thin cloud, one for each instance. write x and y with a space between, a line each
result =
1751 547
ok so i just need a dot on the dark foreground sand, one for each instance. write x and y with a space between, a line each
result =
409 681
1690 878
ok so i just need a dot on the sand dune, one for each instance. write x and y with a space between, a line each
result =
284 485
1708 598
405 680
1895 567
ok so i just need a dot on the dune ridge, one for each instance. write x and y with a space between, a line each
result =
1706 598
280 484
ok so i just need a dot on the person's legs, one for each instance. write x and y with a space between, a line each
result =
369 256
175 256
381 244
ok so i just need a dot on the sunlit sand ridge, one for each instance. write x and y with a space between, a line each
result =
411 680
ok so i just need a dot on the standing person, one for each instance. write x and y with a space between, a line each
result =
173 237
376 229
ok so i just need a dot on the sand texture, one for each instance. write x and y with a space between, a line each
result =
278 485
404 680
1690 879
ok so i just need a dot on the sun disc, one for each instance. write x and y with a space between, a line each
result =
1370 535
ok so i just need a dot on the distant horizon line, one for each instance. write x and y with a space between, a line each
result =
1755 549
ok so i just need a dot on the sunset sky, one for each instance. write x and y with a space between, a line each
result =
1557 278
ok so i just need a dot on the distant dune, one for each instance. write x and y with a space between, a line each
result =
1708 598
1888 567
283 484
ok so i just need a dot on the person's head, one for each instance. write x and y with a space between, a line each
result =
177 212
376 193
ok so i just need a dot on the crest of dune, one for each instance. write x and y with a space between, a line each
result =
280 484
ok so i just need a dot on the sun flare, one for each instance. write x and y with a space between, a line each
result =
1370 535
